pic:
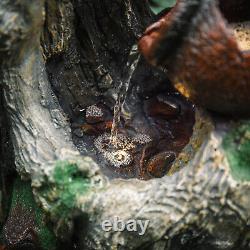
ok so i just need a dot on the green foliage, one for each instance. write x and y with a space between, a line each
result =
159 5
62 189
69 182
237 148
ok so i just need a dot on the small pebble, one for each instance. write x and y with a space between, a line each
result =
159 165
78 132
94 114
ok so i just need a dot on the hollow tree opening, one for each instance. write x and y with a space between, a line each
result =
237 14
96 77
86 45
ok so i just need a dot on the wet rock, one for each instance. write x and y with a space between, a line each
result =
94 114
96 129
78 132
160 108
160 164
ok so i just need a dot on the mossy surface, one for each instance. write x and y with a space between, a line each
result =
237 148
62 189
22 195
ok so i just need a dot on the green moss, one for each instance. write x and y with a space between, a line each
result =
62 189
237 147
22 194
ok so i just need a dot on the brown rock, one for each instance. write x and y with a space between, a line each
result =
196 45
160 164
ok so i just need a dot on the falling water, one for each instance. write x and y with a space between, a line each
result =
124 86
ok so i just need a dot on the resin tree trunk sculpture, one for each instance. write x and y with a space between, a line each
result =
65 65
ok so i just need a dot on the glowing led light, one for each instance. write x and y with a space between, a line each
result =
119 154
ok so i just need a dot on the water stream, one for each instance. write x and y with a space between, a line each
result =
123 88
